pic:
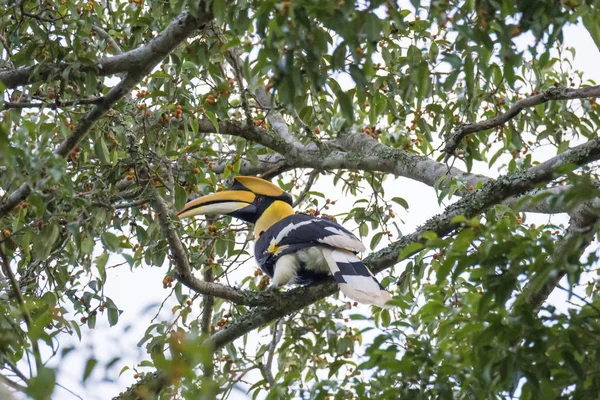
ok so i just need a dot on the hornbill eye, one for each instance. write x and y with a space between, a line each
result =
259 199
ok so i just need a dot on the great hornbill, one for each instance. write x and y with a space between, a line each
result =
293 248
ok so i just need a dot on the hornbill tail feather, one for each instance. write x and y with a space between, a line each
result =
354 278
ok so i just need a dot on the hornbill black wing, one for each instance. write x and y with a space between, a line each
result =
339 247
300 231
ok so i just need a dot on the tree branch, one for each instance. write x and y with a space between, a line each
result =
309 183
108 39
265 101
578 237
357 151
152 53
148 387
493 192
22 104
550 94
130 62
184 270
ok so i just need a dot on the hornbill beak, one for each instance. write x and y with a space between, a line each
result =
246 199
220 203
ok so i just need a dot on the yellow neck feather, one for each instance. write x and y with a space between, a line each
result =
276 212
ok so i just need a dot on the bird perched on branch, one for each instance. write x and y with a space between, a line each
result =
293 248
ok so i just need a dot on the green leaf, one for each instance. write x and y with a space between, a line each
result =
102 150
41 386
89 367
358 76
219 9
429 235
87 245
111 241
180 196
372 27
573 364
409 250
469 69
385 317
400 201
434 51
338 58
591 20
346 106
113 316
101 261
376 239
213 118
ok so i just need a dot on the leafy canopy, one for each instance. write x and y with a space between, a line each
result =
116 113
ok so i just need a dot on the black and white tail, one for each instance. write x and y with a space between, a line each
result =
354 279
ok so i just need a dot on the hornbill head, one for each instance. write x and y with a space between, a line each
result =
247 199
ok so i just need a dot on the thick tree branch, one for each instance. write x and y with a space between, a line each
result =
550 94
129 62
10 202
358 151
492 192
156 50
22 104
148 387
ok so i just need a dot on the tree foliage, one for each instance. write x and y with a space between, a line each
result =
116 113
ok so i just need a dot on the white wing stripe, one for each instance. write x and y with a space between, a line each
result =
344 257
286 231
344 242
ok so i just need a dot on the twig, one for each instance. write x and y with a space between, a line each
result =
148 57
28 321
184 270
22 104
69 390
14 368
208 301
580 298
131 204
578 236
272 347
550 94
309 183
12 384
236 64
109 40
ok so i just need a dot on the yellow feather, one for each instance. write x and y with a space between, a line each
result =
275 213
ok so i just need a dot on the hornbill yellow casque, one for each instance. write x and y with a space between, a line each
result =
293 248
